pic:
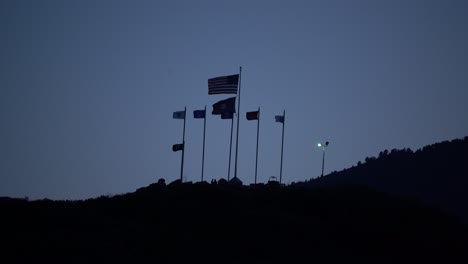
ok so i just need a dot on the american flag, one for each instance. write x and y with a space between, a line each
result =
223 85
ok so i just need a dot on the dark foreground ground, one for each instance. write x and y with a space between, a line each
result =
225 224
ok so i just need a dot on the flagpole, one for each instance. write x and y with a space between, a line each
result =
238 116
230 149
282 143
183 148
203 155
256 157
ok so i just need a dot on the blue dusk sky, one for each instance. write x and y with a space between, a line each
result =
88 88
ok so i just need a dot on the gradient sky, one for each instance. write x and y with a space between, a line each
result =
87 88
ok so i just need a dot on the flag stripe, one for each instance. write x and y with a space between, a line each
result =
225 85
222 80
234 77
217 89
220 88
211 84
230 91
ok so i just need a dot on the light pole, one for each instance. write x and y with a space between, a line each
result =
323 146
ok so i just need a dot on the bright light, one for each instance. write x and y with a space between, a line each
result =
319 145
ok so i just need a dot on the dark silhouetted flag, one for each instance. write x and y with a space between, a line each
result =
223 85
279 119
227 115
177 147
178 115
252 115
199 114
224 106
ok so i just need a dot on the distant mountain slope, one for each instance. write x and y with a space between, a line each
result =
436 174
224 224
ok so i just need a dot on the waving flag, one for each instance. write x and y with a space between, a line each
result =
178 115
225 106
199 114
252 115
223 85
177 147
279 119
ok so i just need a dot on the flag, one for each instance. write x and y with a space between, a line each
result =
199 114
223 85
223 106
178 115
279 119
227 115
252 115
177 147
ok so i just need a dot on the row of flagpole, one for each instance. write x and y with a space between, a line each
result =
254 115
226 108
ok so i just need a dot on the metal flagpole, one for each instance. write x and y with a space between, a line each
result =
238 117
230 149
282 143
323 159
183 147
256 157
203 155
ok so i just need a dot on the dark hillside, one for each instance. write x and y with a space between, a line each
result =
226 224
436 174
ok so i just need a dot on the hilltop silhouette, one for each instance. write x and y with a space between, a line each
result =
436 174
230 224
330 219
